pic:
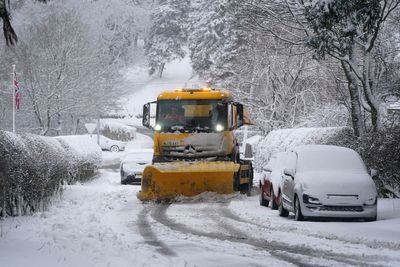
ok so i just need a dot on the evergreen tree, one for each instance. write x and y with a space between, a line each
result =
215 39
167 34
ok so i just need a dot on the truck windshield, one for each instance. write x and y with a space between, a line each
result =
191 115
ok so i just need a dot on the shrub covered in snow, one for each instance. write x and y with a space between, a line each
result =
33 169
285 139
380 151
86 153
117 131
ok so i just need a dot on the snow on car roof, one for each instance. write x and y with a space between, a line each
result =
142 155
326 157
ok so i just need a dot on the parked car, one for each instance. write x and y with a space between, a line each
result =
327 181
271 179
133 164
109 144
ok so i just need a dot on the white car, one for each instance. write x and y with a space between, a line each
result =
133 164
109 144
327 181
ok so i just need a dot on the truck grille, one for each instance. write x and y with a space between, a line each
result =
190 152
342 208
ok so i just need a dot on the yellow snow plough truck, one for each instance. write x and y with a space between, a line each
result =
195 149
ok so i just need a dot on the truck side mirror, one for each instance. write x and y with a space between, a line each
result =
146 115
248 151
240 120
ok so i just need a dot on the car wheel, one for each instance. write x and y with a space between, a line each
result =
298 216
282 211
263 201
274 206
370 219
114 149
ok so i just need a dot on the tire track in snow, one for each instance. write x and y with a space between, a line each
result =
296 255
224 212
149 236
159 214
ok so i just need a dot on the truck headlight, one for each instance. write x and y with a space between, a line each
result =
371 201
219 128
157 127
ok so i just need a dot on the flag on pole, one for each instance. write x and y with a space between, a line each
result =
17 92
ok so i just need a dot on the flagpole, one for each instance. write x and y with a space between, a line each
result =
13 89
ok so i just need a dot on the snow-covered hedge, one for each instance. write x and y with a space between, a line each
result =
34 168
285 139
117 131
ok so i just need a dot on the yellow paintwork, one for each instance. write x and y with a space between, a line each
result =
194 94
167 180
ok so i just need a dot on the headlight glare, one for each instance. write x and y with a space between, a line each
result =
219 128
157 127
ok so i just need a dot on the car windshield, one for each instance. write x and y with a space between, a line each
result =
330 161
191 115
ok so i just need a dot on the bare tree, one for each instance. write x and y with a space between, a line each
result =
348 31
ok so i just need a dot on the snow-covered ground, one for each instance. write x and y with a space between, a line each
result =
102 223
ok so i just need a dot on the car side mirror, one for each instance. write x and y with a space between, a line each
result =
289 172
374 172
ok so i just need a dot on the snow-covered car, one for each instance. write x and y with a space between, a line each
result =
133 164
109 144
327 181
271 179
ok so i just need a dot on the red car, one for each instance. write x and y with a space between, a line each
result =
270 183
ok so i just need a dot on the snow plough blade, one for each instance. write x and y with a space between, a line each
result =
161 181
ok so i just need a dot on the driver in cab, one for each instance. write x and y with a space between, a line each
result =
175 115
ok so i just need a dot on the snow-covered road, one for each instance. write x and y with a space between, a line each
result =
101 223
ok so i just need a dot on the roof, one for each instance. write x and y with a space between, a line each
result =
205 93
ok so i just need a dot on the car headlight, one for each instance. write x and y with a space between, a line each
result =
371 201
311 200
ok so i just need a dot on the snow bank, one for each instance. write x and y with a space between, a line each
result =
34 168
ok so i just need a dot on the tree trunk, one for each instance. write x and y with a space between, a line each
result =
356 112
161 70
368 85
